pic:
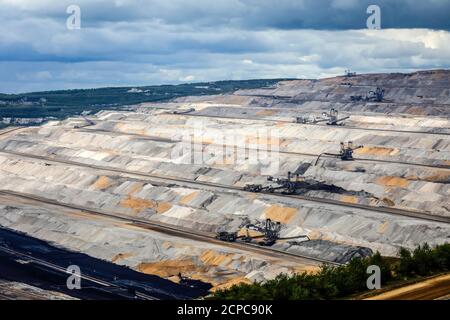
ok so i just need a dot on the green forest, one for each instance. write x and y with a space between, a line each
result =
63 103
338 282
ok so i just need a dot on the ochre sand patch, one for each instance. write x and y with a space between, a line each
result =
136 188
377 151
280 214
102 183
137 204
214 258
188 268
169 268
188 198
266 112
349 199
439 176
390 181
163 207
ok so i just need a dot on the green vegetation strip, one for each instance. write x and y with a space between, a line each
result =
64 103
337 282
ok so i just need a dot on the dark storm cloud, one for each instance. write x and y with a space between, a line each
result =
281 14
259 14
125 42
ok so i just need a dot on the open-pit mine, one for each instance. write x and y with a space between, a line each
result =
239 187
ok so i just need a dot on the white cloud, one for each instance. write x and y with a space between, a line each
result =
309 58
188 78
140 42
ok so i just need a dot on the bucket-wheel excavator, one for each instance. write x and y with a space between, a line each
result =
345 152
331 118
269 232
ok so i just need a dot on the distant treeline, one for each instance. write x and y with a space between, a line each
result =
333 282
63 103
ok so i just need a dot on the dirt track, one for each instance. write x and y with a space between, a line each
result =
430 289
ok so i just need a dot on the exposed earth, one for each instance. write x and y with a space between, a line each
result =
150 187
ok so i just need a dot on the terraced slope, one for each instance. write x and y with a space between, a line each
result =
183 169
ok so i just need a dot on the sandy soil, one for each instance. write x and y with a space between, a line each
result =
425 290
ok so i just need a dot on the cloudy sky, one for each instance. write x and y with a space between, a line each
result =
145 42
